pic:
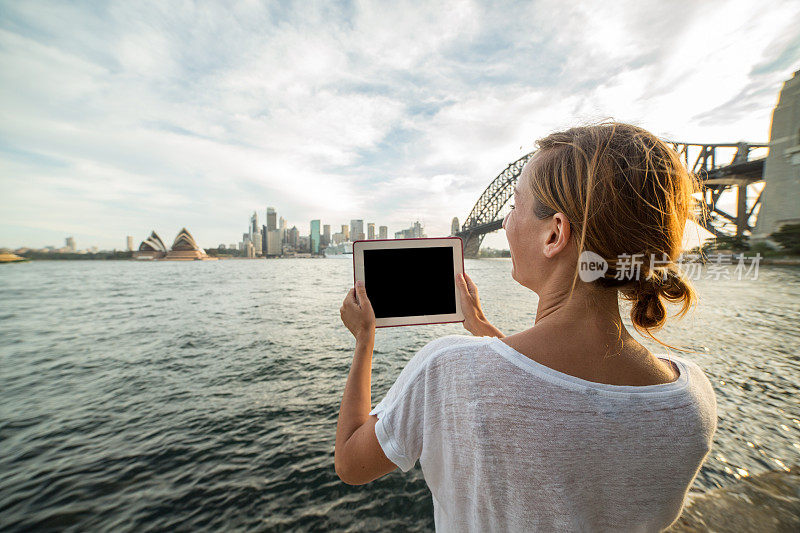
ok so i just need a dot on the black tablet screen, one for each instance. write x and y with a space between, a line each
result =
410 281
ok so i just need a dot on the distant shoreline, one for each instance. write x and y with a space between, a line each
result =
771 261
786 260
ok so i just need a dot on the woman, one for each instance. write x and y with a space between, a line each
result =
570 425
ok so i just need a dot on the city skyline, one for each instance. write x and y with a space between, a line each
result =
131 241
274 238
121 120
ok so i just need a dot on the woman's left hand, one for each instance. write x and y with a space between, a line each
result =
357 313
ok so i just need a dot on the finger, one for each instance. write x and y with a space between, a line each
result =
361 290
463 292
350 299
473 289
462 283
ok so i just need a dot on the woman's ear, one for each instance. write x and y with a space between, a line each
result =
557 236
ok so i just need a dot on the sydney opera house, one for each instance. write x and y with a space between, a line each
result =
183 248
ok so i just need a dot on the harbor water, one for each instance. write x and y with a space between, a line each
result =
204 395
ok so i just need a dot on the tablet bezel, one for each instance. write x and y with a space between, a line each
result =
457 246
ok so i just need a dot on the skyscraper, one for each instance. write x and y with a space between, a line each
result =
370 230
254 225
314 237
293 236
346 232
416 231
129 243
326 234
70 242
454 227
272 219
258 242
357 230
383 232
283 230
274 243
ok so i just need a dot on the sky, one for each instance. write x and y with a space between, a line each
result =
118 118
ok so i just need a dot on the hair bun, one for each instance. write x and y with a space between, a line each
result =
648 312
674 287
649 293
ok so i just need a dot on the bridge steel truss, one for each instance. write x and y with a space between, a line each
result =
715 177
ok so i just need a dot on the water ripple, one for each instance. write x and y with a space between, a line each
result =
165 396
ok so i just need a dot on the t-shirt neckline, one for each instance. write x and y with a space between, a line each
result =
560 378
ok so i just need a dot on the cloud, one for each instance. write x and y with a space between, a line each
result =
124 117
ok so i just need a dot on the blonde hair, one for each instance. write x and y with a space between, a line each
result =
625 192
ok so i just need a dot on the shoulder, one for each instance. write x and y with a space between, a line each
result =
451 341
428 364
437 353
699 387
440 348
697 376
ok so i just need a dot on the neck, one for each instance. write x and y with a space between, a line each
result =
587 314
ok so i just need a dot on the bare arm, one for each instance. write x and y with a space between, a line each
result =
474 320
358 456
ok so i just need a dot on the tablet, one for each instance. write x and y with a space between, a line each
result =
411 281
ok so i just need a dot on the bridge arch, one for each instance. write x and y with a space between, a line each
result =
707 161
483 218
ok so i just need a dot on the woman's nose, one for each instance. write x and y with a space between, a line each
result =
505 219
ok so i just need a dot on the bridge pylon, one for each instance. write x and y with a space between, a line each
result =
782 171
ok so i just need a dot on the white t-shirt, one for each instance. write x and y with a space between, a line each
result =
508 444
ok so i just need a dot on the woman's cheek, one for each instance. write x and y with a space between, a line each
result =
508 225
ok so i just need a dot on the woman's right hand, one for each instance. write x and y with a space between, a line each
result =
474 320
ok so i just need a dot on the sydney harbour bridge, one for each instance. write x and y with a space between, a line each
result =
720 168
715 174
